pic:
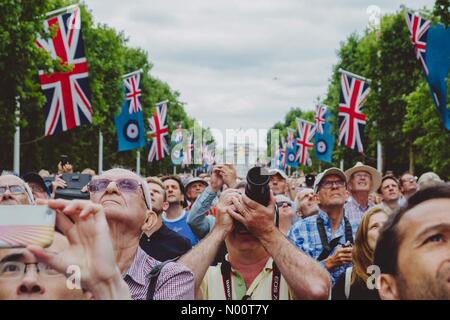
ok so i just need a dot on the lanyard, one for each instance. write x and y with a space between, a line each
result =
227 285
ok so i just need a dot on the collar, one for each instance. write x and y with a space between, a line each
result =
140 267
267 267
369 204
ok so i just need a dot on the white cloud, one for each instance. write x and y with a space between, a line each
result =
241 63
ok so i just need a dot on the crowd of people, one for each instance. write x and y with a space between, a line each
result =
351 234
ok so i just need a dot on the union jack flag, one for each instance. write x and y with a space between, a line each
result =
351 120
306 132
159 132
133 92
68 96
283 152
321 110
418 28
187 152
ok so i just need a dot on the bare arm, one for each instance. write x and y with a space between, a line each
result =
304 275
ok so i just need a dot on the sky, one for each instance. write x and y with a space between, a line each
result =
242 63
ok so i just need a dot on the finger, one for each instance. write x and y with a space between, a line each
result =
249 202
67 227
236 216
237 203
58 204
89 209
50 258
41 202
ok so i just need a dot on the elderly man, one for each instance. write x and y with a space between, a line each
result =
126 200
306 203
278 182
413 249
328 236
390 193
285 213
362 180
408 184
160 242
14 191
260 264
194 187
175 217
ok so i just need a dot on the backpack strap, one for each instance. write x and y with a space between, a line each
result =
153 276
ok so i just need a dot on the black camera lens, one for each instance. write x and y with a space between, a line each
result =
257 187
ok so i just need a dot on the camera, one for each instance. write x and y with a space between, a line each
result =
64 160
75 182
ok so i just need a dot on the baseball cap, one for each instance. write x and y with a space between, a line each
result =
36 178
194 180
283 174
328 172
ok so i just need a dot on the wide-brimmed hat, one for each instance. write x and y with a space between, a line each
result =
359 166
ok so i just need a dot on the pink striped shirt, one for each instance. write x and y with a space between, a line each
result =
175 282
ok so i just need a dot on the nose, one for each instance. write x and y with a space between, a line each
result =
30 283
112 187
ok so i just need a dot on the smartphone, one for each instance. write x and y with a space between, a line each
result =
64 159
23 225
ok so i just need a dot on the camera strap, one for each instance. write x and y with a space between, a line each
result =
225 269
328 247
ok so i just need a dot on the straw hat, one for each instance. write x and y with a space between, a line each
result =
359 166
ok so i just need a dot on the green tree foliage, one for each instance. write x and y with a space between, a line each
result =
108 57
399 110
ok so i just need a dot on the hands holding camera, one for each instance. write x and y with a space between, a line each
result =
342 255
85 226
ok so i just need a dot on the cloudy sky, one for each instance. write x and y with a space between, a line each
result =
242 63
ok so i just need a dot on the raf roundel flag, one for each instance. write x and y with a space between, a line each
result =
130 122
324 142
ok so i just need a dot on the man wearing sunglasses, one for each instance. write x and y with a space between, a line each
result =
126 200
14 191
285 212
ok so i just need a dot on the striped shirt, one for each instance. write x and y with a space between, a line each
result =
175 282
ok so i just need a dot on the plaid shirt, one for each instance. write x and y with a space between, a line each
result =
354 211
175 282
305 235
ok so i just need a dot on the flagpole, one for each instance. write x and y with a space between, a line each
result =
138 162
100 152
17 139
342 165
132 73
174 170
379 157
354 75
66 9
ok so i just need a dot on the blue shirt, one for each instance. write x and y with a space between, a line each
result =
354 211
180 226
305 235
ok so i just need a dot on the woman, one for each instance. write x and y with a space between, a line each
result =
352 284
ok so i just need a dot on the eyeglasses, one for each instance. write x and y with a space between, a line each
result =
280 204
14 189
125 185
15 269
330 184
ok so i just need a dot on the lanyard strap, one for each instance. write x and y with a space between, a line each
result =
225 269
329 246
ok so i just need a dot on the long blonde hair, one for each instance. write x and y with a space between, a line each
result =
362 254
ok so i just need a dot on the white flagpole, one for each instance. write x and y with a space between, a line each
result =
17 139
66 9
354 75
174 170
379 157
342 165
131 73
138 162
100 152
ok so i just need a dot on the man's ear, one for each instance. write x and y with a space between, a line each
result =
387 287
150 222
